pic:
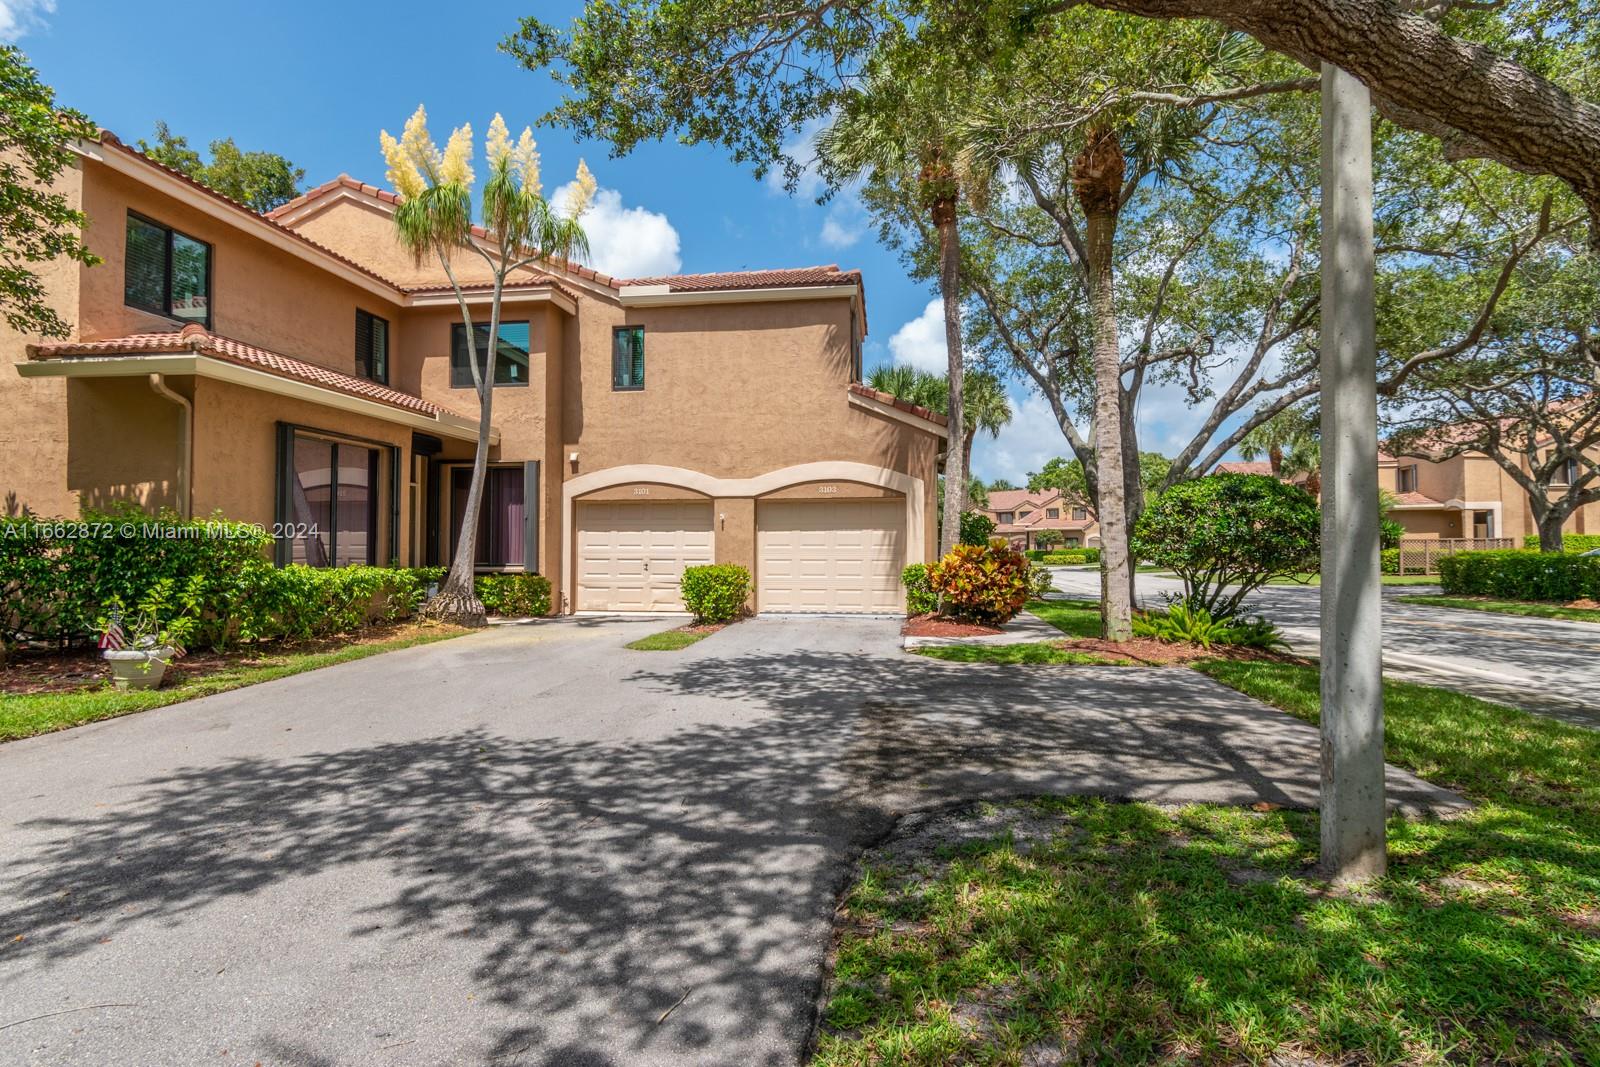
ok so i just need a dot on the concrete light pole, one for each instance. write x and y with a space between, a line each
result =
1353 808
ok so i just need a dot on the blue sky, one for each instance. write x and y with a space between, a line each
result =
316 81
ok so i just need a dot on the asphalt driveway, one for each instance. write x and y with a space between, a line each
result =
532 846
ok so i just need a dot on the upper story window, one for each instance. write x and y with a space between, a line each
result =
372 346
167 272
627 357
1003 517
1408 479
1567 473
855 348
1080 514
1052 513
511 356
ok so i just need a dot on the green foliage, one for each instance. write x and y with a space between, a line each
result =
1182 624
260 181
1229 534
976 529
514 594
1075 618
57 577
668 640
984 584
40 225
1570 542
1512 574
1073 558
920 599
1040 581
1048 538
717 592
1389 560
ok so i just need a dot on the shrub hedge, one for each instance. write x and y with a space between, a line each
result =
976 528
920 598
1389 561
715 593
1570 542
986 584
1519 575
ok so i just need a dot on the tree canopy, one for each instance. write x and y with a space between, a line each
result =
39 224
259 180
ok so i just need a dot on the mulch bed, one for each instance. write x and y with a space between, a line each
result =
932 625
30 672
704 627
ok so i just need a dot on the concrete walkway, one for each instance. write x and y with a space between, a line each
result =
532 846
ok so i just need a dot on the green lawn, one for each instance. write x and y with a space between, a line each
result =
669 640
1531 608
1387 579
1075 618
30 714
1126 933
1036 652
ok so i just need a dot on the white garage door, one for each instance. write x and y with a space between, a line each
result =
632 555
838 555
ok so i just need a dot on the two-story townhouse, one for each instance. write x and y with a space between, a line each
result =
1468 496
1020 516
300 370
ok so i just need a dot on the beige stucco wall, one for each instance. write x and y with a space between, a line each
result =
33 431
260 293
123 443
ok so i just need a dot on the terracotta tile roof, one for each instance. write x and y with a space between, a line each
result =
113 141
1012 499
1416 500
344 181
482 287
895 402
829 274
1242 467
194 338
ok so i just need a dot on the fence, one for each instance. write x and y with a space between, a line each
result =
1422 555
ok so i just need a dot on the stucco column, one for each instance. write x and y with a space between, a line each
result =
1353 807
733 522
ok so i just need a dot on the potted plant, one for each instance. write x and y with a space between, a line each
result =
139 646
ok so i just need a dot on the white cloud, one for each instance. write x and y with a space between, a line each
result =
920 342
802 148
1024 444
17 17
625 242
846 221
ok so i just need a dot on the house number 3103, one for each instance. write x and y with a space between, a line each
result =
827 488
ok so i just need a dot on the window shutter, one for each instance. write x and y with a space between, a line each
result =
363 344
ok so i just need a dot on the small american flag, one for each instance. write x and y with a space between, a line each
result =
111 636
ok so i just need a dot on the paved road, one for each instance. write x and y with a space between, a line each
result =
1545 665
532 846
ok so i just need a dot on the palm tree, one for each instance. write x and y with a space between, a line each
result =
899 129
985 407
435 217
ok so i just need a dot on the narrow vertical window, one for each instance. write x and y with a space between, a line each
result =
372 346
627 357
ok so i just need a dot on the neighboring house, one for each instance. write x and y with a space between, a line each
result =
301 371
1467 496
1020 516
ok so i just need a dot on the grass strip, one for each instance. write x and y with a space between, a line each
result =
1530 608
669 640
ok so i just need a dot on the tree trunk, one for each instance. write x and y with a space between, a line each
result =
966 460
1097 180
1275 460
1550 532
955 485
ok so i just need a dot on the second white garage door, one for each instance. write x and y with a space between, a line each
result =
839 555
632 555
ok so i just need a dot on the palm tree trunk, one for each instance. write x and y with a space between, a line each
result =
955 484
1097 176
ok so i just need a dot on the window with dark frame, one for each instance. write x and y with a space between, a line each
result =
627 357
372 346
1052 513
500 541
333 501
511 354
856 368
1408 479
1567 473
166 272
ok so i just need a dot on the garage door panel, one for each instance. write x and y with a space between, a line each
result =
830 555
631 556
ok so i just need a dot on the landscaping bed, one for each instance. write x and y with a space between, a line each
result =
46 691
677 637
1066 930
1581 610
932 624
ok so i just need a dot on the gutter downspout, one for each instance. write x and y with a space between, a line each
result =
158 385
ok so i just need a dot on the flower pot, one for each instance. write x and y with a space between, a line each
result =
138 668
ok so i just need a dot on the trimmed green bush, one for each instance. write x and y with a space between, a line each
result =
1040 581
1389 561
1227 535
976 528
1513 574
514 594
1066 559
985 584
1570 542
919 598
716 593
